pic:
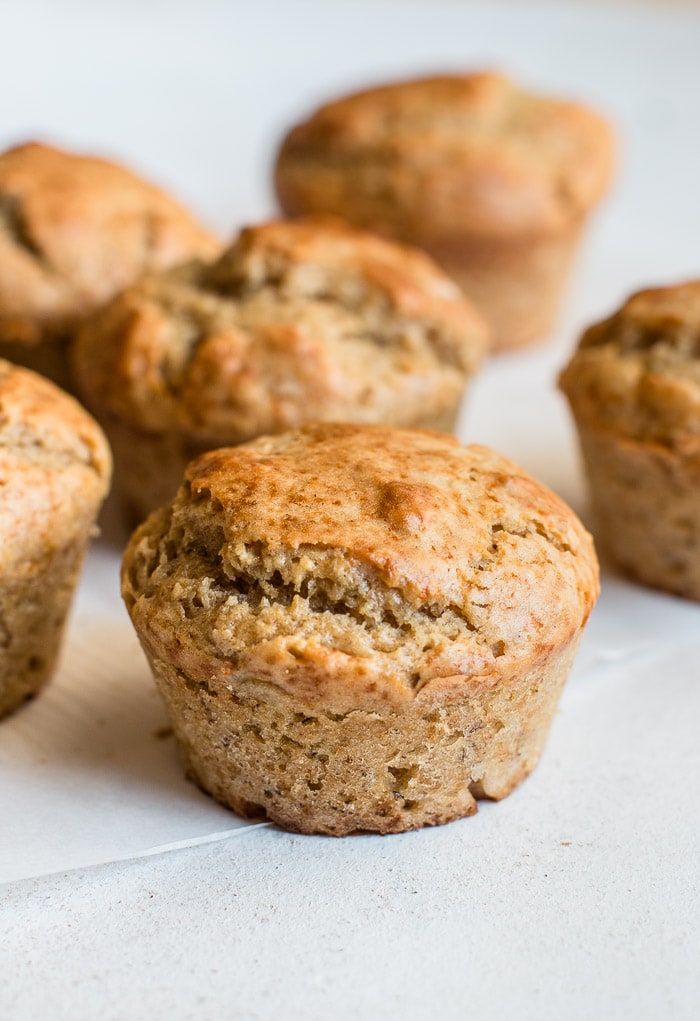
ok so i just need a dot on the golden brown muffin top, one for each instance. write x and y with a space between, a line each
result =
55 466
353 566
437 158
638 372
296 321
74 230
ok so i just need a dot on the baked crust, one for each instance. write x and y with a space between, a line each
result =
74 230
439 158
343 570
55 468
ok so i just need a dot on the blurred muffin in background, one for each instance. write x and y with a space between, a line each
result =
75 230
297 321
494 182
634 390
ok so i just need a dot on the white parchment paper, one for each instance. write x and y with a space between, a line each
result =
89 772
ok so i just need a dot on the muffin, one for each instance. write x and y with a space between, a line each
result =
359 627
634 390
295 322
73 232
495 183
54 473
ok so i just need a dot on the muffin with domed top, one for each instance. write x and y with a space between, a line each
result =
295 322
495 182
634 390
360 627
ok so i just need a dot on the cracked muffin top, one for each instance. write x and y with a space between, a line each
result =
436 158
296 321
638 372
74 230
341 562
55 466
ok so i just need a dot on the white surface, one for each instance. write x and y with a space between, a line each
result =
577 896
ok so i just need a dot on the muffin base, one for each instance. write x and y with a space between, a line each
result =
646 501
263 753
34 605
516 285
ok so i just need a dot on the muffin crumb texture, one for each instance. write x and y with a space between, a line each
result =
359 628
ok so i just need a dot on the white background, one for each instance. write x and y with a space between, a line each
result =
576 897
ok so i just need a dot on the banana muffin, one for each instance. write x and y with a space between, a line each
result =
74 231
634 390
295 322
54 473
359 627
494 182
